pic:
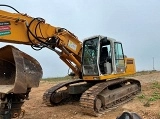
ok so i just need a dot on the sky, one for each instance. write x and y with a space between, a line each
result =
135 23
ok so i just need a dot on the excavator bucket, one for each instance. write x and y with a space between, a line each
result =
18 71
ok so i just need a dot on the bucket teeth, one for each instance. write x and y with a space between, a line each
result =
18 71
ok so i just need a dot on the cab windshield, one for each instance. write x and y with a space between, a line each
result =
90 53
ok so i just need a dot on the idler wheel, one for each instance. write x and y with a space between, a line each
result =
98 104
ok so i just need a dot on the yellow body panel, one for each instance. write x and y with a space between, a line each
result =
130 66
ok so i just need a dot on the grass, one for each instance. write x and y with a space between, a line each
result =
141 96
146 99
155 96
57 79
144 72
155 85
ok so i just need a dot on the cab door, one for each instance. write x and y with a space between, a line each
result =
119 58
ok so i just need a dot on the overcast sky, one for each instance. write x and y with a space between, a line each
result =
135 23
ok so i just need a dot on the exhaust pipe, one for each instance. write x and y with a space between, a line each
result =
19 72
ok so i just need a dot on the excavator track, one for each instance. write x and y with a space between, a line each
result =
50 94
99 98
92 102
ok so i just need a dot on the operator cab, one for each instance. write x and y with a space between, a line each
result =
102 56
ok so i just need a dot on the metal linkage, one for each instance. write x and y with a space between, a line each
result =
10 106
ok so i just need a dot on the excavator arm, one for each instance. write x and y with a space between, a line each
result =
22 29
19 72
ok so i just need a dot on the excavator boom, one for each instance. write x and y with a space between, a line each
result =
22 29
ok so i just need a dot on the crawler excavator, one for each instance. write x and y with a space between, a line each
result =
99 62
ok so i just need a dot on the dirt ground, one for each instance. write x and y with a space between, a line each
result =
35 109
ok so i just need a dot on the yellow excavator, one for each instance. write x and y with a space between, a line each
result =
99 62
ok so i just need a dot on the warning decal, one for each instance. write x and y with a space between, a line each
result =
5 33
5 28
6 23
72 45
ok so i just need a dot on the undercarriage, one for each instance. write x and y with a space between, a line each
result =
95 98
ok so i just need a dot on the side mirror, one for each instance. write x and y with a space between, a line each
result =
129 115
